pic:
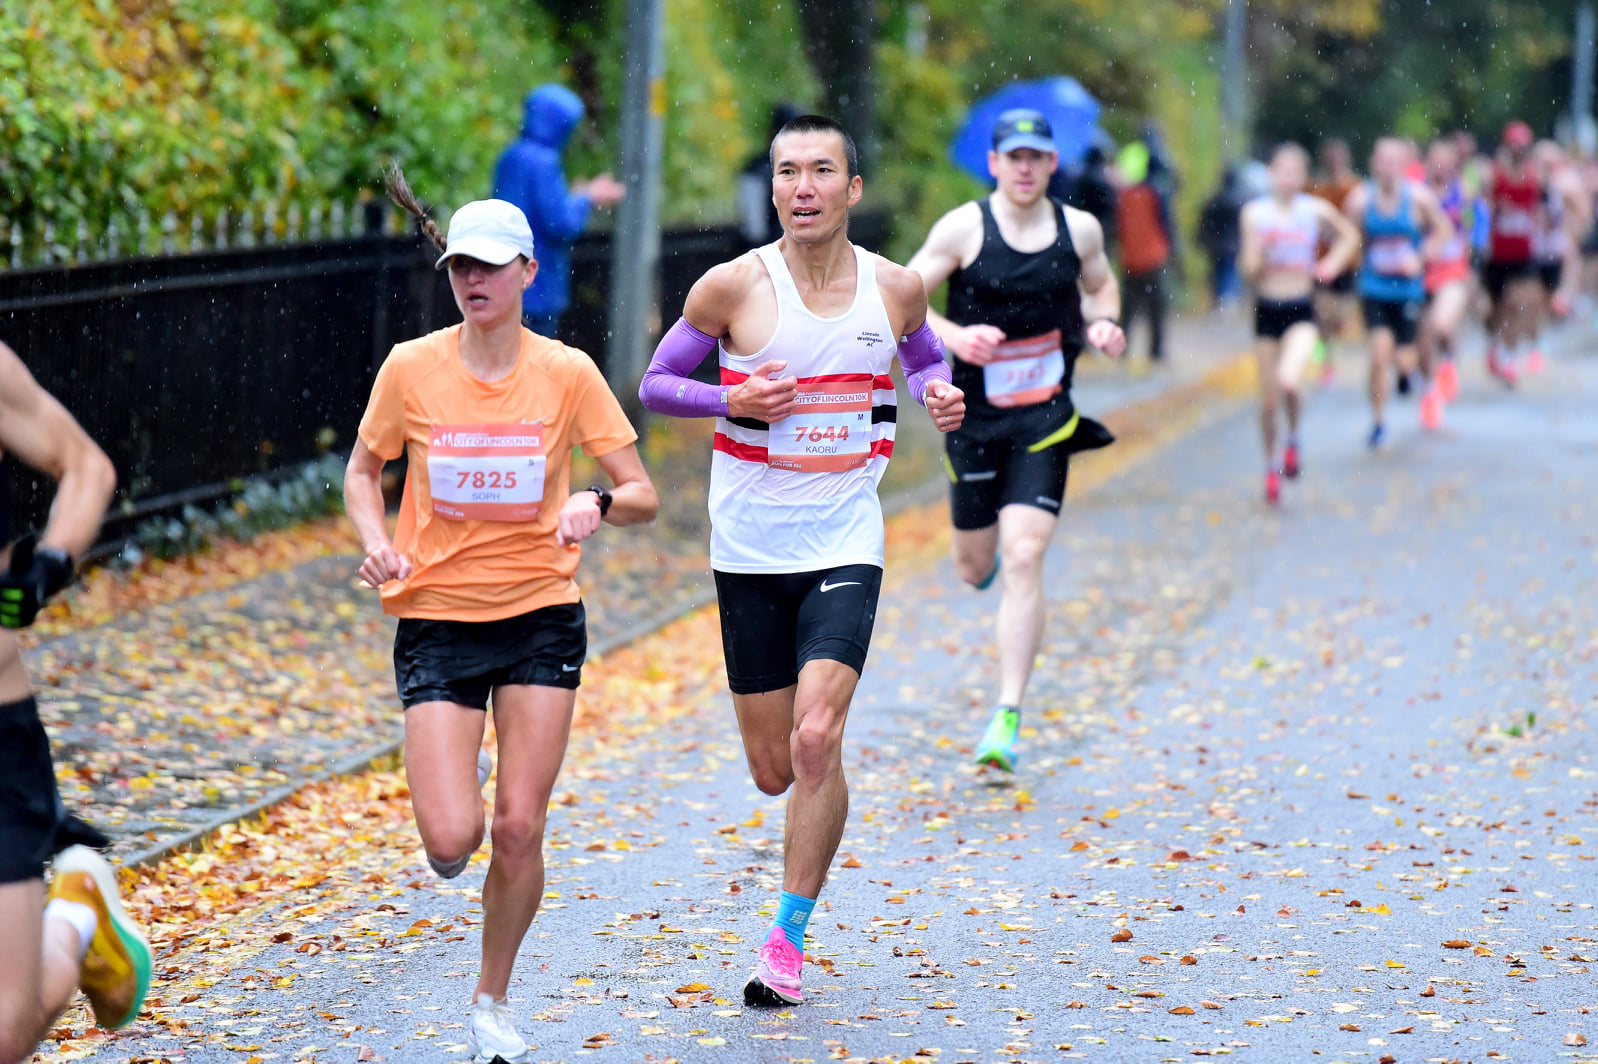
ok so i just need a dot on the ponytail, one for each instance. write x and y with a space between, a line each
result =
400 192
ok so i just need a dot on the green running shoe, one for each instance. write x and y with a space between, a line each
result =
997 747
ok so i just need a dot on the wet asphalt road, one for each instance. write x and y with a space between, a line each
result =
1272 762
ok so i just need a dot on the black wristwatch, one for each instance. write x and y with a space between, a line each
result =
1095 321
605 498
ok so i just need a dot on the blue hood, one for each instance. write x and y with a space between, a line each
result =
550 115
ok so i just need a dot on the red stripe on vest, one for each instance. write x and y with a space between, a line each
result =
881 382
742 451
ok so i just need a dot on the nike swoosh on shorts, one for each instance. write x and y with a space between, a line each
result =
825 587
568 668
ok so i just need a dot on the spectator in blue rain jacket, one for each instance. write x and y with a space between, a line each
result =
530 175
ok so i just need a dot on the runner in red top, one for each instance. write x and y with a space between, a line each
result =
1515 195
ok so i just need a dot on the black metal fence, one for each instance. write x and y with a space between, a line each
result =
195 370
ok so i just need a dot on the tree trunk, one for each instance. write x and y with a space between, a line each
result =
840 42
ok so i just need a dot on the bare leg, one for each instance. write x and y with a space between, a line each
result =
765 721
1448 308
974 553
41 970
1295 351
1025 532
1381 341
441 744
1522 297
532 725
819 803
1265 353
1407 358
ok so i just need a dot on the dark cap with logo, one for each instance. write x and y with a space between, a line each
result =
1022 128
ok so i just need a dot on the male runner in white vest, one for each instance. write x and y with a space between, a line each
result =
806 330
1028 285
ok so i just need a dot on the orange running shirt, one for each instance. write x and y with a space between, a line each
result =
1334 191
467 569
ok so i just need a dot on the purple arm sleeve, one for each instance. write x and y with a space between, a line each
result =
921 355
667 388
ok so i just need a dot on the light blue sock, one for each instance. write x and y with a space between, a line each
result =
793 914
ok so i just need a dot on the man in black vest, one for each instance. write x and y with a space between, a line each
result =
1024 271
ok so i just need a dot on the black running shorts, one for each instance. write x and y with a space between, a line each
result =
1341 285
1551 273
462 661
1018 458
1400 316
31 813
773 623
1496 276
1273 317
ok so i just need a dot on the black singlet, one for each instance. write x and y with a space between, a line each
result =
1025 294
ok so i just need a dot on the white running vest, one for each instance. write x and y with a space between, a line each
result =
1289 237
800 494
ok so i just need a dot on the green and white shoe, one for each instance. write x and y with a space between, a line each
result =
997 747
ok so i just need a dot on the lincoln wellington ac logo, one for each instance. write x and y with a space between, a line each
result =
870 339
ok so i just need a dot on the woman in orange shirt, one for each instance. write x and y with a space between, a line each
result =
480 567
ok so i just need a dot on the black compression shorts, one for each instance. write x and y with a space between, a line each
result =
31 814
1273 317
1018 458
1400 316
462 661
773 623
1551 273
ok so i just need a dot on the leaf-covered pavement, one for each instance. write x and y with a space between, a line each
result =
1316 782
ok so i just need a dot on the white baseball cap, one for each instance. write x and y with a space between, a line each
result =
491 230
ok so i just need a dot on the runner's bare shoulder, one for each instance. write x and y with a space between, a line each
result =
716 297
1087 235
958 234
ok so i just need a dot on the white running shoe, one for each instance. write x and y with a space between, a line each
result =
491 1033
485 766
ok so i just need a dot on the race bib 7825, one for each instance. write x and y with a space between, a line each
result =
486 472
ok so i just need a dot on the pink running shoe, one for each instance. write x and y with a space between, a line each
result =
1534 360
776 979
1431 408
1448 379
1501 367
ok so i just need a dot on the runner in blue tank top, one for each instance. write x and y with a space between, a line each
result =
1403 225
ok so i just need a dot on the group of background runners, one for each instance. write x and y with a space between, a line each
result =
1430 235
480 568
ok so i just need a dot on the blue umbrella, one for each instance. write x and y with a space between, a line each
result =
1064 102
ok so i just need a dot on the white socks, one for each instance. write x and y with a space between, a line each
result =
80 916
